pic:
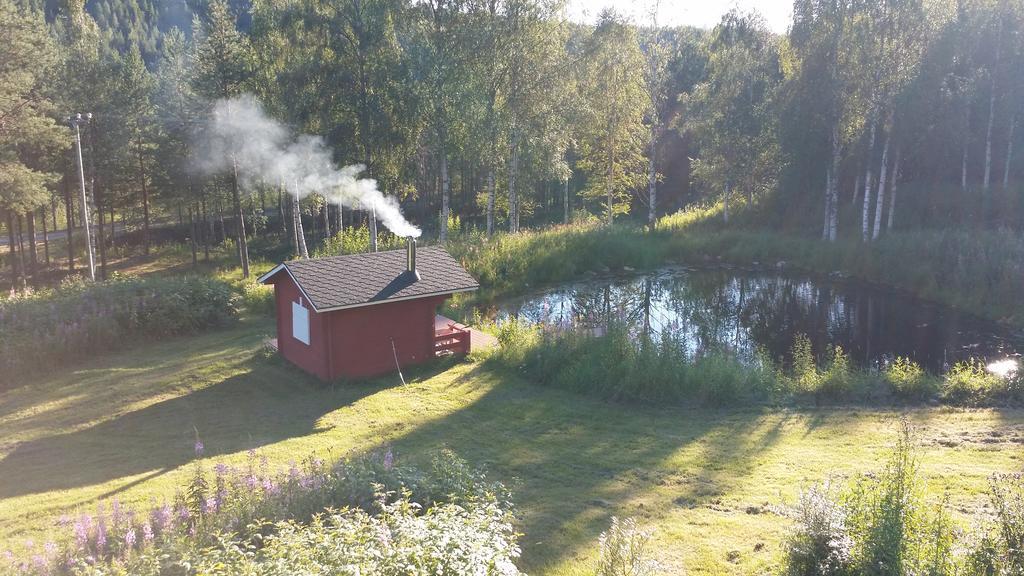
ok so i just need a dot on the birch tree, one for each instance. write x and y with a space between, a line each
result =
612 143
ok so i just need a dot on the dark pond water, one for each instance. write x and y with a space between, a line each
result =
744 311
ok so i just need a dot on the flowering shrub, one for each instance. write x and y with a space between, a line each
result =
879 525
249 519
48 328
820 543
623 550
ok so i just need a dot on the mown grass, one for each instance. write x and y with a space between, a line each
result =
711 482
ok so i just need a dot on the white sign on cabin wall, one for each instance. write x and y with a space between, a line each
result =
300 322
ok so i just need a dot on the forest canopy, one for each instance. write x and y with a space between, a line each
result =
502 114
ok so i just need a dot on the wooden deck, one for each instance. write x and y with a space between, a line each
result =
449 331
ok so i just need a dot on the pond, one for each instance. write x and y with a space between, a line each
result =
747 312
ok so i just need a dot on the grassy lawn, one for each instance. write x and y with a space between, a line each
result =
712 483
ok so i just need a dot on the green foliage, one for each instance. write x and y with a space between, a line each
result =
618 365
819 543
625 550
311 518
969 382
909 380
42 331
357 241
879 525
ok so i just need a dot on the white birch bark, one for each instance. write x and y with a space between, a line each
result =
992 111
892 189
866 211
513 191
833 217
652 178
1009 152
826 228
372 223
300 235
963 167
880 201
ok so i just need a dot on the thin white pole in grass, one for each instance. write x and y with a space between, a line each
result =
397 366
75 121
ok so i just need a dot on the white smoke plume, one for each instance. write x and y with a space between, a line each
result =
265 151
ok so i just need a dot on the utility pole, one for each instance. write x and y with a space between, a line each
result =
76 121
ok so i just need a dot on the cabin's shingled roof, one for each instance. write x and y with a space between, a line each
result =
361 279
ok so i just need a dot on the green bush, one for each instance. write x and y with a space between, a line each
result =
909 381
310 519
616 364
258 298
880 525
356 240
624 550
46 329
998 549
968 382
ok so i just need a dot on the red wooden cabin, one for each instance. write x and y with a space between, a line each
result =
357 315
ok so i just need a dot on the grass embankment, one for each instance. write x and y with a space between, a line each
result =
980 272
711 482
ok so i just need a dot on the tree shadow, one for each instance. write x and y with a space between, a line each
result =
267 402
577 461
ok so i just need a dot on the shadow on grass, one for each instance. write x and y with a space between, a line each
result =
576 461
267 402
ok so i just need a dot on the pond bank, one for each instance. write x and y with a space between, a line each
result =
981 273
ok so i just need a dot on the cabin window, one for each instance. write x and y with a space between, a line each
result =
300 323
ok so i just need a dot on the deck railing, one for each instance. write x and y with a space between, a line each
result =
451 339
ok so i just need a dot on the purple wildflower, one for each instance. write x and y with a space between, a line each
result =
116 514
199 447
389 460
129 538
221 469
101 537
162 516
81 530
147 533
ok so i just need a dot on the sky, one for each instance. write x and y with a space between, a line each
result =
700 13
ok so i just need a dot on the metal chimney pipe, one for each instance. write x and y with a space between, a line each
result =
410 257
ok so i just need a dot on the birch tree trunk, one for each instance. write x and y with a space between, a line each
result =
725 202
565 200
490 201
300 235
865 229
46 239
33 260
833 217
243 247
826 227
513 192
69 217
444 195
856 188
1009 152
892 189
992 111
652 179
880 202
327 220
963 167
